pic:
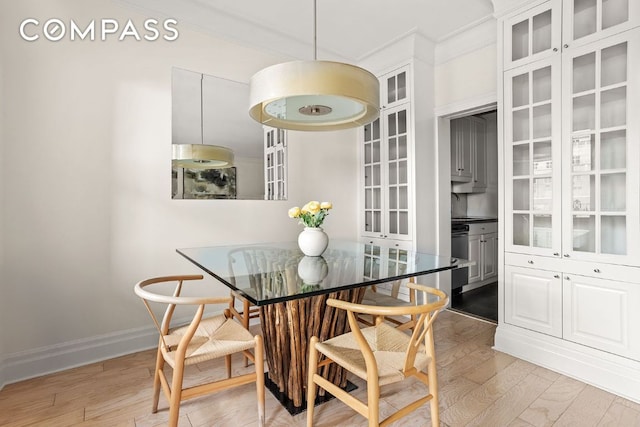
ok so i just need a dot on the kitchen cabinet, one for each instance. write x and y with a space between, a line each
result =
387 162
469 154
483 249
570 72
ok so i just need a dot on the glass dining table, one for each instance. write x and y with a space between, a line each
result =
291 290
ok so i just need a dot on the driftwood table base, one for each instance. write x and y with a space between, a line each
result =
287 328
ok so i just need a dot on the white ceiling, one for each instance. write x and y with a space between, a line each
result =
347 29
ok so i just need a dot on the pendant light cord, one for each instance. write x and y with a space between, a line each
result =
315 30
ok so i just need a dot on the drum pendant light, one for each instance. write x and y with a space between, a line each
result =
201 156
314 95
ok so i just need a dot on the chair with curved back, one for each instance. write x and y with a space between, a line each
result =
372 296
381 355
201 340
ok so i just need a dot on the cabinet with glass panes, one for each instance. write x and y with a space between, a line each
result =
386 162
569 136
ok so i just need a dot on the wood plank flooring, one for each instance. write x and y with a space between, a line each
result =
478 387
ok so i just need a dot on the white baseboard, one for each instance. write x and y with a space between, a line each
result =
607 371
45 360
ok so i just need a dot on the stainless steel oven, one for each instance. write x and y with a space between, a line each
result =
459 249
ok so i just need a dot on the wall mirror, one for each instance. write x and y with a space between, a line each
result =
214 111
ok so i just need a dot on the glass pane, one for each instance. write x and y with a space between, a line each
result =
583 191
613 150
521 125
393 149
367 176
392 124
403 198
375 174
584 116
542 231
520 88
377 201
393 173
583 153
402 172
584 233
367 154
403 223
402 147
376 129
391 89
377 223
542 194
520 40
393 198
520 194
613 107
521 229
402 121
584 72
584 18
393 222
376 152
367 133
368 226
614 65
613 192
402 85
542 84
542 158
541 33
614 12
613 235
367 199
521 159
542 121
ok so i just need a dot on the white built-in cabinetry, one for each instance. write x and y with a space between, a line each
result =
469 155
386 165
275 163
483 249
571 141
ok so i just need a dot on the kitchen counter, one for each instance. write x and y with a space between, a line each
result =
472 219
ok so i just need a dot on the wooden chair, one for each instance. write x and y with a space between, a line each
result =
373 297
201 340
380 355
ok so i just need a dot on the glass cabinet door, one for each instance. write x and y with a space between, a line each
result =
601 144
395 87
588 20
397 170
532 35
532 153
372 179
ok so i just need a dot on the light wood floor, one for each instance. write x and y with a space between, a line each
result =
478 387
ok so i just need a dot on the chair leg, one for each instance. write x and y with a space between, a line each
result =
259 365
373 400
245 323
156 381
227 361
176 394
433 390
311 385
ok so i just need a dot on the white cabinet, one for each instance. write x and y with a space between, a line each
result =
533 299
387 163
275 163
469 155
483 249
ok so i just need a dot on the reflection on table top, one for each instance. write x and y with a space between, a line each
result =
277 272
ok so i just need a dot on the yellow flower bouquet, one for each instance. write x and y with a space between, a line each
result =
312 214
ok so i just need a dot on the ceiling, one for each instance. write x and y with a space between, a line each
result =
346 29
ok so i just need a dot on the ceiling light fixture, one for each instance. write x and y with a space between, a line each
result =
201 156
314 95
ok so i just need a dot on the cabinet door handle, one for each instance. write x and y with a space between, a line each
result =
556 254
596 270
567 278
555 49
566 255
530 262
556 276
566 46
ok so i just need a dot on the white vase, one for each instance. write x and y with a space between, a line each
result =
313 241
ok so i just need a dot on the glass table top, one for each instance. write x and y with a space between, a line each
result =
277 272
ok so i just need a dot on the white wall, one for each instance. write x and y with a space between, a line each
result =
3 283
86 195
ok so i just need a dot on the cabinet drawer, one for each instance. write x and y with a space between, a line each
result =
533 261
483 228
